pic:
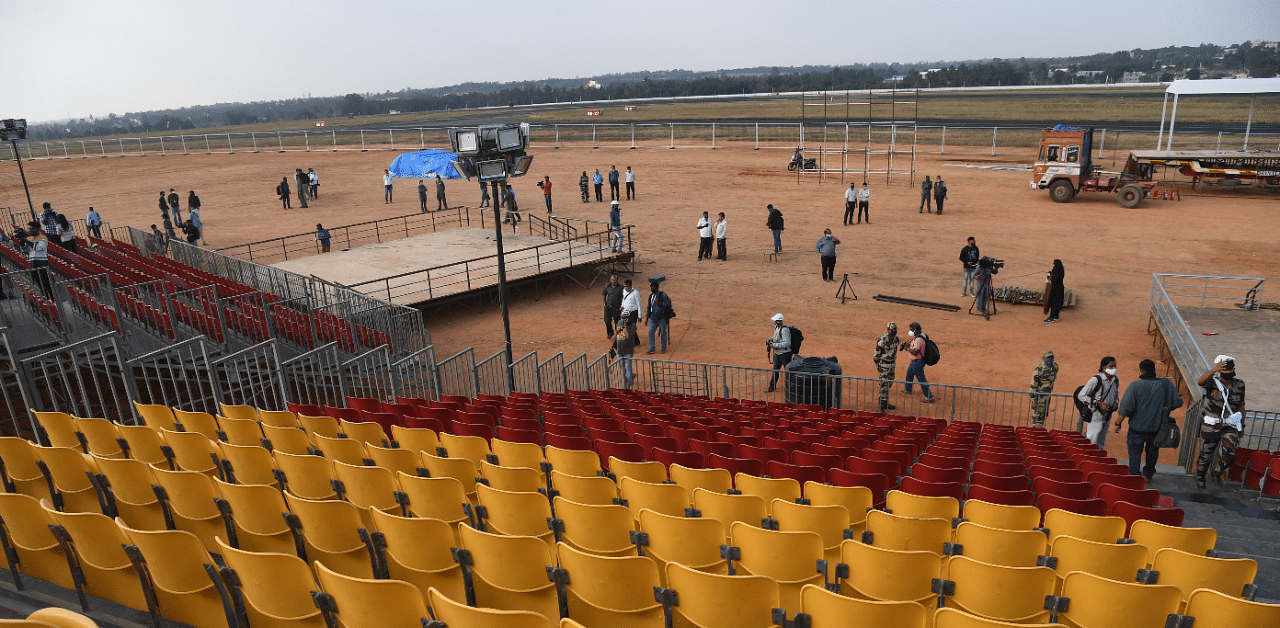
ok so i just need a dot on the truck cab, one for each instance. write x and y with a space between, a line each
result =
1063 162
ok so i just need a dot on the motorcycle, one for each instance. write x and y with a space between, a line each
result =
809 162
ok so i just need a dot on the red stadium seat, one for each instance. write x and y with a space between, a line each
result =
1093 507
1112 494
1070 490
514 435
649 443
1088 466
763 454
806 459
580 443
902 458
1097 479
1000 483
887 468
942 461
878 483
564 430
727 450
922 471
1061 475
629 452
471 429
1006 469
920 487
368 404
690 459
1008 498
735 466
346 414
798 473
533 425
304 409
1130 513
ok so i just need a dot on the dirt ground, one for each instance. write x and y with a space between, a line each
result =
1109 253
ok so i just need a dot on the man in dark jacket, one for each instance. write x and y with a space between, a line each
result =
774 223
612 305
658 313
1146 403
173 205
283 191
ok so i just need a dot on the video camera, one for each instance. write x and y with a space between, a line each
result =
992 264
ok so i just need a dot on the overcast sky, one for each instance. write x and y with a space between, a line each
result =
73 59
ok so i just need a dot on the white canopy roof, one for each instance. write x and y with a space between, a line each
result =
1225 86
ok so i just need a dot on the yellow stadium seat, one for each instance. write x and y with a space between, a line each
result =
583 463
437 498
248 464
857 500
921 507
513 479
1218 610
668 499
608 591
510 572
314 426
596 529
1089 528
330 534
456 615
415 439
728 509
191 499
243 432
395 460
770 489
278 418
1158 536
186 590
720 601
1002 516
308 477
1011 548
1189 572
368 603
255 514
832 609
145 445
907 534
525 455
713 480
789 558
154 416
98 543
829 522
473 448
70 473
21 472
1013 594
368 432
290 440
955 618
238 411
419 551
193 451
694 543
369 487
1107 560
197 422
103 437
348 450
276 588
516 514
60 430
1097 601
889 575
35 551
650 472
595 490
127 484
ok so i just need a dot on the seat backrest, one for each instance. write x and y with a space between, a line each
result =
278 584
692 542
651 472
585 463
669 499
457 615
768 488
514 513
1012 594
1213 609
829 522
367 487
330 525
714 480
1189 572
599 529
365 603
416 542
922 507
1157 536
783 556
306 476
623 583
1097 601
512 562
1011 548
435 497
728 601
1001 516
826 608
585 489
727 509
913 573
891 531
1108 560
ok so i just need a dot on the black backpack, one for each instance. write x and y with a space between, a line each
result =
1086 413
797 338
931 352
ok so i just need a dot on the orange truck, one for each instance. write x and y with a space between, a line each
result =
1065 167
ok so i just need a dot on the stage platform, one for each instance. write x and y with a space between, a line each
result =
447 264
1252 338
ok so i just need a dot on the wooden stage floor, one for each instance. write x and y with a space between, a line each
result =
446 263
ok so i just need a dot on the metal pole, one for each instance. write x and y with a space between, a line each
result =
1102 145
18 158
1249 124
1173 119
995 130
1163 109
498 201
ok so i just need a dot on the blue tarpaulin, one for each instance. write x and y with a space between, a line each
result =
425 163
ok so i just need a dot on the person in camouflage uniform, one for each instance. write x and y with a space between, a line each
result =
582 185
886 358
1222 422
1042 379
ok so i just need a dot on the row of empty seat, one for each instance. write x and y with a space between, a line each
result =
360 500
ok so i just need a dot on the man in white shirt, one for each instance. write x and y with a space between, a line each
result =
631 184
864 203
386 186
722 232
630 301
850 203
704 235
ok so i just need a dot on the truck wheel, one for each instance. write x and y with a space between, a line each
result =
1130 195
1061 191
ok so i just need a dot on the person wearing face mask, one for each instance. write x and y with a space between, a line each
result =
915 370
1042 379
1102 394
826 248
1147 403
1223 419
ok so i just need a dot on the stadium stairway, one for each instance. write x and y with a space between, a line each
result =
1246 528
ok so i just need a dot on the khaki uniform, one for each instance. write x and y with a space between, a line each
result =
886 358
1042 379
1218 442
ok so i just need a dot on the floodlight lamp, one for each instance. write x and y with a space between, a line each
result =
521 165
511 138
465 167
493 170
465 141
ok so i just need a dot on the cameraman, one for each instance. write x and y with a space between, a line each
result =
982 283
969 258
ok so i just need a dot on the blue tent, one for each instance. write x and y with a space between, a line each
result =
425 163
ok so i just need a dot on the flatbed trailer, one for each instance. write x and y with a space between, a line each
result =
1202 165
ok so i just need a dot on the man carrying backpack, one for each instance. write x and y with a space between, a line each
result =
780 345
915 370
658 314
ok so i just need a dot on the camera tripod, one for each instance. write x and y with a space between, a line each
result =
983 295
846 291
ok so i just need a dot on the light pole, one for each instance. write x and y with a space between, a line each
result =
495 154
12 130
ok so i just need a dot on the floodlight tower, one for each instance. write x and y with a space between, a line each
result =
11 131
495 153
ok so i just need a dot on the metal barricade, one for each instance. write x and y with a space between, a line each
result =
598 373
250 377
416 376
176 376
526 374
458 374
315 377
369 375
575 374
551 374
491 375
83 378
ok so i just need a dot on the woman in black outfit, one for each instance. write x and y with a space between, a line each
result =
1053 302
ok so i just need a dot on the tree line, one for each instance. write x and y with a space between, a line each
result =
1163 64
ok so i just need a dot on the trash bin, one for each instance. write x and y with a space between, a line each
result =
809 381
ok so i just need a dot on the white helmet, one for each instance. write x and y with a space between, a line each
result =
777 317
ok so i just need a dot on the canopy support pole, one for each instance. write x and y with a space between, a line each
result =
1164 108
1249 124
